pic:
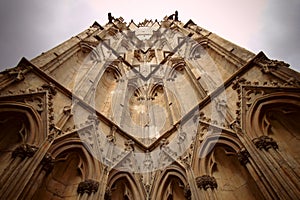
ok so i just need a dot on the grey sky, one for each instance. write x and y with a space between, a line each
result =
30 27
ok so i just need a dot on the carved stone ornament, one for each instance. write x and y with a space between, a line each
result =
187 192
148 162
16 73
111 138
243 156
23 151
89 186
265 142
236 83
50 87
163 143
129 145
270 65
48 163
107 194
206 181
94 119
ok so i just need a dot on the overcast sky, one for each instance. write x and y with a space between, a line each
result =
30 27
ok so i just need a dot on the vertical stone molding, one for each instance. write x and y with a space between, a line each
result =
24 151
187 192
243 156
265 142
206 181
89 186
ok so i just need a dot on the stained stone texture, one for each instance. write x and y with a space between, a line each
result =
150 110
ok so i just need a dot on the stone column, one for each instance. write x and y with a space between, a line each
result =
28 158
45 168
265 170
120 101
104 192
245 160
286 177
192 187
20 156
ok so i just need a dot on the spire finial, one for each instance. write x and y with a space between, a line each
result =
176 15
110 18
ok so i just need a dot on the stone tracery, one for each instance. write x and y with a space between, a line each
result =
164 83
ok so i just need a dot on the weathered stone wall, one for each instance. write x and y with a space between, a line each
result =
156 110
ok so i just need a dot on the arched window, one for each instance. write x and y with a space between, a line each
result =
123 185
64 178
73 165
218 159
171 184
19 125
277 116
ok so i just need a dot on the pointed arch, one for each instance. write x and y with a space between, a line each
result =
208 145
106 87
196 51
114 67
20 124
124 185
155 88
276 115
170 183
135 90
218 159
182 83
72 143
73 164
177 66
255 121
88 48
34 121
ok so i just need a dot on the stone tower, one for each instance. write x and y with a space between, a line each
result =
156 110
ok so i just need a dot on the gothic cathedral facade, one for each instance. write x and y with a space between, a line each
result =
155 110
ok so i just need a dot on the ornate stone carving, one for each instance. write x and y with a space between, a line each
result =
23 151
268 65
187 192
148 162
36 102
89 186
243 156
206 181
93 118
111 137
181 137
265 142
48 163
17 74
129 145
54 132
163 143
107 194
50 87
67 110
145 22
236 83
